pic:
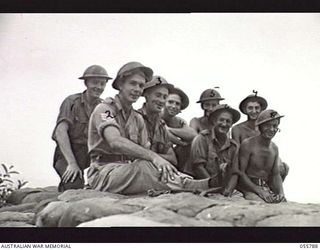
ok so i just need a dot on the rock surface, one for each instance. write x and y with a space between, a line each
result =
45 207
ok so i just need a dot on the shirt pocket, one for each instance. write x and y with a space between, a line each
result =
133 134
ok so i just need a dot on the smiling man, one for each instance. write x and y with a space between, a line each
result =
213 153
251 106
71 131
259 162
180 134
209 99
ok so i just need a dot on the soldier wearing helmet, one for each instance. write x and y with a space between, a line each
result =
208 100
259 161
251 106
127 157
71 130
180 134
213 153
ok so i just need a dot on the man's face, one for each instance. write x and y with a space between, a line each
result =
95 86
156 99
253 109
132 87
223 122
208 106
269 129
173 105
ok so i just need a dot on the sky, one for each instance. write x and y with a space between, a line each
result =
277 54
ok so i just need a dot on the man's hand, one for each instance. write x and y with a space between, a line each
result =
267 197
166 169
71 173
279 198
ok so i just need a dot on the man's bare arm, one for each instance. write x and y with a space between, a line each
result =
175 140
200 171
63 141
276 181
185 133
235 134
170 156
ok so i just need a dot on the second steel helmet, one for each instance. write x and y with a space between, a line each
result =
267 115
128 68
155 82
95 71
210 94
183 96
225 107
253 98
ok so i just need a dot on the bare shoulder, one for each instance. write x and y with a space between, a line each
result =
274 146
249 142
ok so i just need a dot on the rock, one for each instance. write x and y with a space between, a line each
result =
169 217
17 196
26 208
15 224
81 194
123 220
90 209
50 189
42 204
16 216
295 220
39 196
51 214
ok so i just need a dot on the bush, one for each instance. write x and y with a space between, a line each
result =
7 183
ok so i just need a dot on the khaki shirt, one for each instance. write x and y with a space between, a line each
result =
205 150
75 110
111 113
157 133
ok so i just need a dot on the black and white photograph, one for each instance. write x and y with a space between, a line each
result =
159 120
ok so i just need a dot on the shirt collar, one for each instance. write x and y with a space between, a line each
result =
226 144
84 100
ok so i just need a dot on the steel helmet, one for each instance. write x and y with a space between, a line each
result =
224 107
210 94
253 98
155 82
183 96
128 68
267 115
95 71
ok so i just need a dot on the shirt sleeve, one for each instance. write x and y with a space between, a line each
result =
102 117
66 113
199 150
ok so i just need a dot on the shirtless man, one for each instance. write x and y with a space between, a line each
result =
180 134
259 162
208 100
251 106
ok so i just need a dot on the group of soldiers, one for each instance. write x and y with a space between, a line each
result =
152 150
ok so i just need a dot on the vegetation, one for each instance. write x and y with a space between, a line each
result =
8 184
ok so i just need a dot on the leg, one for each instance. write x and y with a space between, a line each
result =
284 170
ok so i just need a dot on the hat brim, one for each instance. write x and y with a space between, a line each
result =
263 102
235 114
92 76
183 96
165 85
210 98
269 119
147 72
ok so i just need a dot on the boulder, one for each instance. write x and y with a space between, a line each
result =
16 216
17 196
26 208
81 194
169 217
293 220
51 214
39 196
123 220
90 209
15 224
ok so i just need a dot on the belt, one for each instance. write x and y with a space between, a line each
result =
259 181
109 158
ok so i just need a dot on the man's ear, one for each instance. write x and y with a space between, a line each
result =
85 82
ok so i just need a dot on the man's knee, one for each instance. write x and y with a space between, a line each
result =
76 184
284 170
